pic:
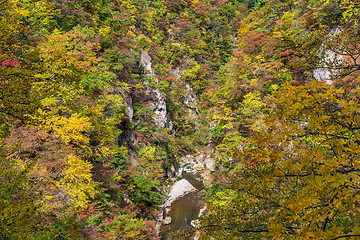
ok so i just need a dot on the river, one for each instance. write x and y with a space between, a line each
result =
185 209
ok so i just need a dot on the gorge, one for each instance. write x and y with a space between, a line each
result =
191 119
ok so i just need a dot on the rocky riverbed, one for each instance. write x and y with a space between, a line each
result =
183 203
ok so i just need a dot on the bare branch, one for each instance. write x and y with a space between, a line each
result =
240 231
355 110
3 2
324 134
345 236
323 226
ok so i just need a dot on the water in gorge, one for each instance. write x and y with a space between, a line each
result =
185 209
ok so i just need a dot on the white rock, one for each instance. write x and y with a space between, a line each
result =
145 61
130 109
200 162
202 210
323 72
158 105
195 223
190 102
209 162
167 220
179 189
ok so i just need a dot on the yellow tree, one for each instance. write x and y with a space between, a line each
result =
71 117
16 64
20 217
50 115
298 178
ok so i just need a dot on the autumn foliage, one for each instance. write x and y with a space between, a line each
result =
82 158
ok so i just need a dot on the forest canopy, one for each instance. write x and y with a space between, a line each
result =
100 99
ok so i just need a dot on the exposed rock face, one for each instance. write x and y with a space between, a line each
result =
325 73
145 61
160 117
190 99
191 102
127 138
330 59
200 163
130 109
179 189
158 105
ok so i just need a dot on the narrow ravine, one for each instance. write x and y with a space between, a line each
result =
185 209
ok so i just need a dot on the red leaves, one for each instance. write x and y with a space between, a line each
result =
107 222
255 41
287 52
10 62
138 137
287 55
121 51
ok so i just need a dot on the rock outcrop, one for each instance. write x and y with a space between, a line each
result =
158 104
326 70
179 189
203 162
